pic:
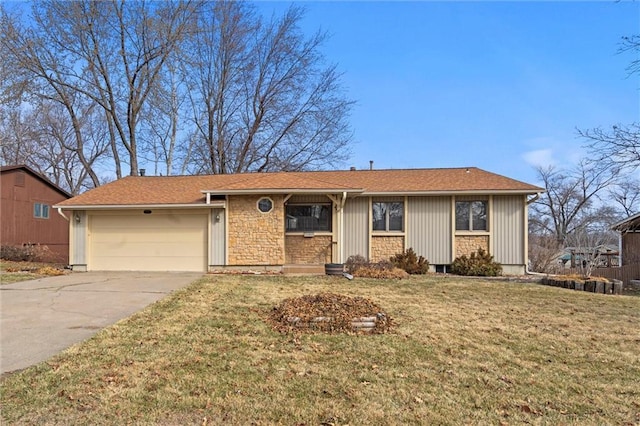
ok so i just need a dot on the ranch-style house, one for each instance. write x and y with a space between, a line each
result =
297 221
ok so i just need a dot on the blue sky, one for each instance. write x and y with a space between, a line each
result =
498 85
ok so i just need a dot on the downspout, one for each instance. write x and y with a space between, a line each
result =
341 213
534 199
526 265
67 219
62 214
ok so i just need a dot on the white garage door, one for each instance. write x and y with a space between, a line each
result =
160 241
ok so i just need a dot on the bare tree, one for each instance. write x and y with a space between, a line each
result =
544 253
112 53
38 60
68 164
626 196
618 146
262 98
164 134
187 85
571 200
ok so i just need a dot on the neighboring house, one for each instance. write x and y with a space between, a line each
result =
280 221
26 214
629 230
605 255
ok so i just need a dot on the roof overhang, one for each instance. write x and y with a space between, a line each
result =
449 193
365 193
264 191
631 223
213 204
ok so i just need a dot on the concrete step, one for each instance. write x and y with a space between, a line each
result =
304 269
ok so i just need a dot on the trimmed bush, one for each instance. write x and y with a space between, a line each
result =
410 262
478 264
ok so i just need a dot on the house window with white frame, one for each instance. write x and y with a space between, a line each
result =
388 216
471 216
41 211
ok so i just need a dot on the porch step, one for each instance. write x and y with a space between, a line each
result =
304 269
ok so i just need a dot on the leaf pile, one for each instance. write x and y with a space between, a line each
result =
326 312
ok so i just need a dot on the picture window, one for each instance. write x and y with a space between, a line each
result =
388 216
308 217
471 216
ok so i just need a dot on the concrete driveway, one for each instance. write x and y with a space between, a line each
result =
42 317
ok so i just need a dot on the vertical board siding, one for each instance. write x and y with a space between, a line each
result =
429 228
508 229
19 192
217 255
631 248
79 255
356 227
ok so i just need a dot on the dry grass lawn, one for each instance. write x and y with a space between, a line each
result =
13 272
461 352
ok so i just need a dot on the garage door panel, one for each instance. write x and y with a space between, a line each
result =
159 236
118 249
142 222
158 242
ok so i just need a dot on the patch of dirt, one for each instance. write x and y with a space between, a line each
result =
329 313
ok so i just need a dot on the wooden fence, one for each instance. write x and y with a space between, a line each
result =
624 273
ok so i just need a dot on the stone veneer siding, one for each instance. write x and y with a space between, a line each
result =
255 238
383 247
468 244
308 251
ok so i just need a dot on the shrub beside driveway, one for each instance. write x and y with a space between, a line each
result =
462 351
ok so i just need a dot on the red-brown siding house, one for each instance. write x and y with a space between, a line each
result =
26 213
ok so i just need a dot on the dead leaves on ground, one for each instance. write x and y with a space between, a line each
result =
329 312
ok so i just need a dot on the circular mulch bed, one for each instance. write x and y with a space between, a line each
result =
329 313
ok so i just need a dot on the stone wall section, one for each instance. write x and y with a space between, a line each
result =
255 238
467 244
383 247
308 251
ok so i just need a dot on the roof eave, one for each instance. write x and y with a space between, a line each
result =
454 192
281 191
214 203
625 225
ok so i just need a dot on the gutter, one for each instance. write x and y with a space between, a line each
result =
448 192
534 199
265 191
60 213
214 203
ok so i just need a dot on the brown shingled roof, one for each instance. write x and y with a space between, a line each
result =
158 190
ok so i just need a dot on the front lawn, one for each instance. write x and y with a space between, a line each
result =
12 272
461 352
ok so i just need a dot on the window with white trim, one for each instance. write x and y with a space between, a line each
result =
471 216
41 211
265 204
308 217
388 216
